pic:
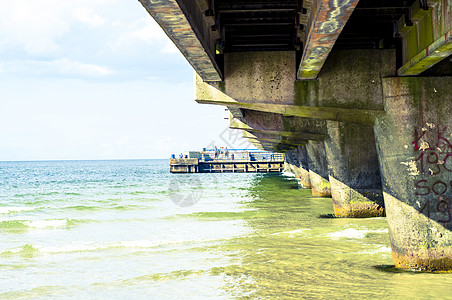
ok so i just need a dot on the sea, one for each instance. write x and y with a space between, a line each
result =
129 229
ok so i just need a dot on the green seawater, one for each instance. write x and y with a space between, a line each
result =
131 230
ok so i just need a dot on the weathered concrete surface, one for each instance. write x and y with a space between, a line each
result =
248 85
429 39
414 145
318 169
350 79
354 172
297 163
266 76
274 138
276 124
285 132
184 22
314 112
325 21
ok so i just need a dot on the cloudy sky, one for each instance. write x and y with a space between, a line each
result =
96 79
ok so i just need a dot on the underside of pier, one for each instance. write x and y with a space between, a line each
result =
355 93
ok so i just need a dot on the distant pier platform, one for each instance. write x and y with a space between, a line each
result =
231 161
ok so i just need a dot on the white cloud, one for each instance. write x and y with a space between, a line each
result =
37 26
41 46
68 67
25 23
144 30
59 67
86 15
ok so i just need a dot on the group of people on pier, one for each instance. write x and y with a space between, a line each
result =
222 152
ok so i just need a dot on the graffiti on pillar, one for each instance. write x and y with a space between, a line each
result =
433 152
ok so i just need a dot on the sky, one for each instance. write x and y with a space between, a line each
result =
97 79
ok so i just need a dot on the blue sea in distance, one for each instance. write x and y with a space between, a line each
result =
128 229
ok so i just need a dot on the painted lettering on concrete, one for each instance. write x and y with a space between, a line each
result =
433 149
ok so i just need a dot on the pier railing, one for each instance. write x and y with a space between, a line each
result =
227 160
210 155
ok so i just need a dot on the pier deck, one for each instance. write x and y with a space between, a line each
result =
245 162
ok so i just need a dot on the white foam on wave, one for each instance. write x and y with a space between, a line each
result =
353 233
83 246
9 209
41 224
288 174
381 249
73 247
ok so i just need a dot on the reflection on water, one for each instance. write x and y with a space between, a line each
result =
110 230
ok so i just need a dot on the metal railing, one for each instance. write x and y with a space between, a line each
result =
210 155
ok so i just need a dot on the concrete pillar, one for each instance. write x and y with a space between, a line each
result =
414 142
354 173
289 161
302 170
297 160
318 169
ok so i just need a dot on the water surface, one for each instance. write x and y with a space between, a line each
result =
123 229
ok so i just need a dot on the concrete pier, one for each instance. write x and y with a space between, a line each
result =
324 83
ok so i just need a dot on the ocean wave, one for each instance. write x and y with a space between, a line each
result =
10 209
353 233
26 250
29 249
46 224
291 233
13 225
109 206
73 194
19 225
83 207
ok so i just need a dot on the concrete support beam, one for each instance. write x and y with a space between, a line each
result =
415 148
184 22
277 124
429 39
358 73
325 21
427 58
323 113
271 146
318 169
354 172
237 124
265 76
273 138
350 79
